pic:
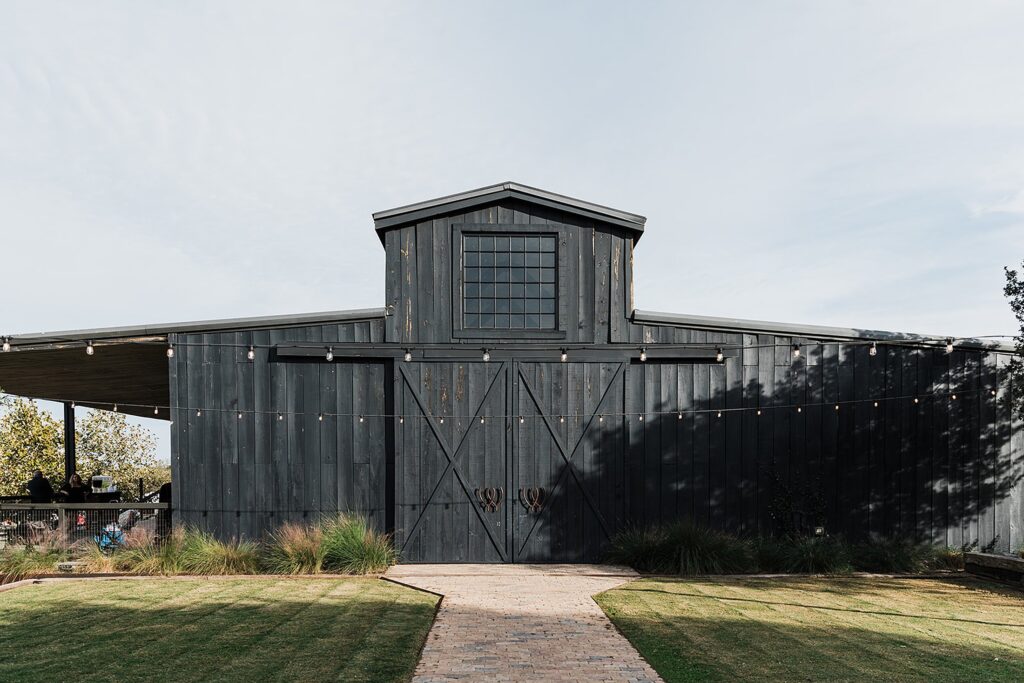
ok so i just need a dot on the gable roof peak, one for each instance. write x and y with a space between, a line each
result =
410 213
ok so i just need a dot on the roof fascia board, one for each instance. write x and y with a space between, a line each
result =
163 329
811 331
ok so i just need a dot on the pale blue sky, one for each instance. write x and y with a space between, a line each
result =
844 163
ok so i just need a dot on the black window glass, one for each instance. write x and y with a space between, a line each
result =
509 282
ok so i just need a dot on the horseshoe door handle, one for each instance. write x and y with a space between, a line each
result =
490 497
532 498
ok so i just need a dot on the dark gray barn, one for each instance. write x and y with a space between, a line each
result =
509 404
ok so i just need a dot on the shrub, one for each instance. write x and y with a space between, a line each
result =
645 550
892 555
295 549
350 546
23 563
683 548
202 554
815 555
700 550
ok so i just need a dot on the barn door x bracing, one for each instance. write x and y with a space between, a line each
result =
508 462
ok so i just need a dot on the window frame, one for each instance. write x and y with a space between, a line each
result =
458 231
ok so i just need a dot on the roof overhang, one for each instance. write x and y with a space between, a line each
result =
129 366
464 201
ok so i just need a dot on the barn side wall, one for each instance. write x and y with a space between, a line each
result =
941 469
244 477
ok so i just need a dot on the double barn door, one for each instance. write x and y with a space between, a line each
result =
508 461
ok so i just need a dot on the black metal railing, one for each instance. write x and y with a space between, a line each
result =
64 525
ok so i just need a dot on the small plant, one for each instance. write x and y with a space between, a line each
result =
203 554
350 546
295 549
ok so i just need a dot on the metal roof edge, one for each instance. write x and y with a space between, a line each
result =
814 331
404 214
163 329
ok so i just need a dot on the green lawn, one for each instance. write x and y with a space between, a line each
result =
252 629
823 629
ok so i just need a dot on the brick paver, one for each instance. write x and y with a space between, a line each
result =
522 623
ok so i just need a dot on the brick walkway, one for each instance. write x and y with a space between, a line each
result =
522 623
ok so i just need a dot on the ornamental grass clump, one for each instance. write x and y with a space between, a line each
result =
815 555
295 549
645 549
23 563
351 546
145 554
203 554
893 555
681 548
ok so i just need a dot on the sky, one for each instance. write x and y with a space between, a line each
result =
858 164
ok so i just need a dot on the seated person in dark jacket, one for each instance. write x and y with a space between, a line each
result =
75 489
39 488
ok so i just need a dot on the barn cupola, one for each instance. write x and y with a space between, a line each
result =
508 262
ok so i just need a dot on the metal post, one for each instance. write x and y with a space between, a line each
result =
69 440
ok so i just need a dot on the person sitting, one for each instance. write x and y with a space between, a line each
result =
75 489
39 488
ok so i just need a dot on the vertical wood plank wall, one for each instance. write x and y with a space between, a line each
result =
243 477
942 470
594 274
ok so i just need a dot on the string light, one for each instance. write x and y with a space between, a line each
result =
565 356
679 416
641 417
873 349
643 355
993 392
240 415
89 350
915 400
561 418
330 354
156 411
953 397
796 351
199 412
600 418
408 356
487 355
442 419
481 419
115 407
799 409
837 406
401 420
719 356
949 346
280 417
7 344
719 413
170 351
251 355
321 417
521 419
759 412
876 404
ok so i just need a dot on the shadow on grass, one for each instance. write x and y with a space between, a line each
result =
694 636
213 631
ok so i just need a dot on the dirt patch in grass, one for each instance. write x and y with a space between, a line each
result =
823 629
248 629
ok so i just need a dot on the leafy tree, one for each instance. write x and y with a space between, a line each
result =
1014 291
107 444
30 439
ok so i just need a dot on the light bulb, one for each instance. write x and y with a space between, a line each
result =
873 349
115 407
239 414
199 412
156 411
916 400
837 406
251 355
641 418
679 416
321 417
89 350
954 397
719 413
561 418
408 356
330 355
796 350
949 346
719 356
442 420
565 356
600 418
401 420
487 355
759 411
170 351
643 355
521 419
993 392
876 404
799 409
7 344
481 419
280 417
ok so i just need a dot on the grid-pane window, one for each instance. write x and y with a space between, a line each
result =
509 282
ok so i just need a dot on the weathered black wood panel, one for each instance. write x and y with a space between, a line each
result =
249 450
